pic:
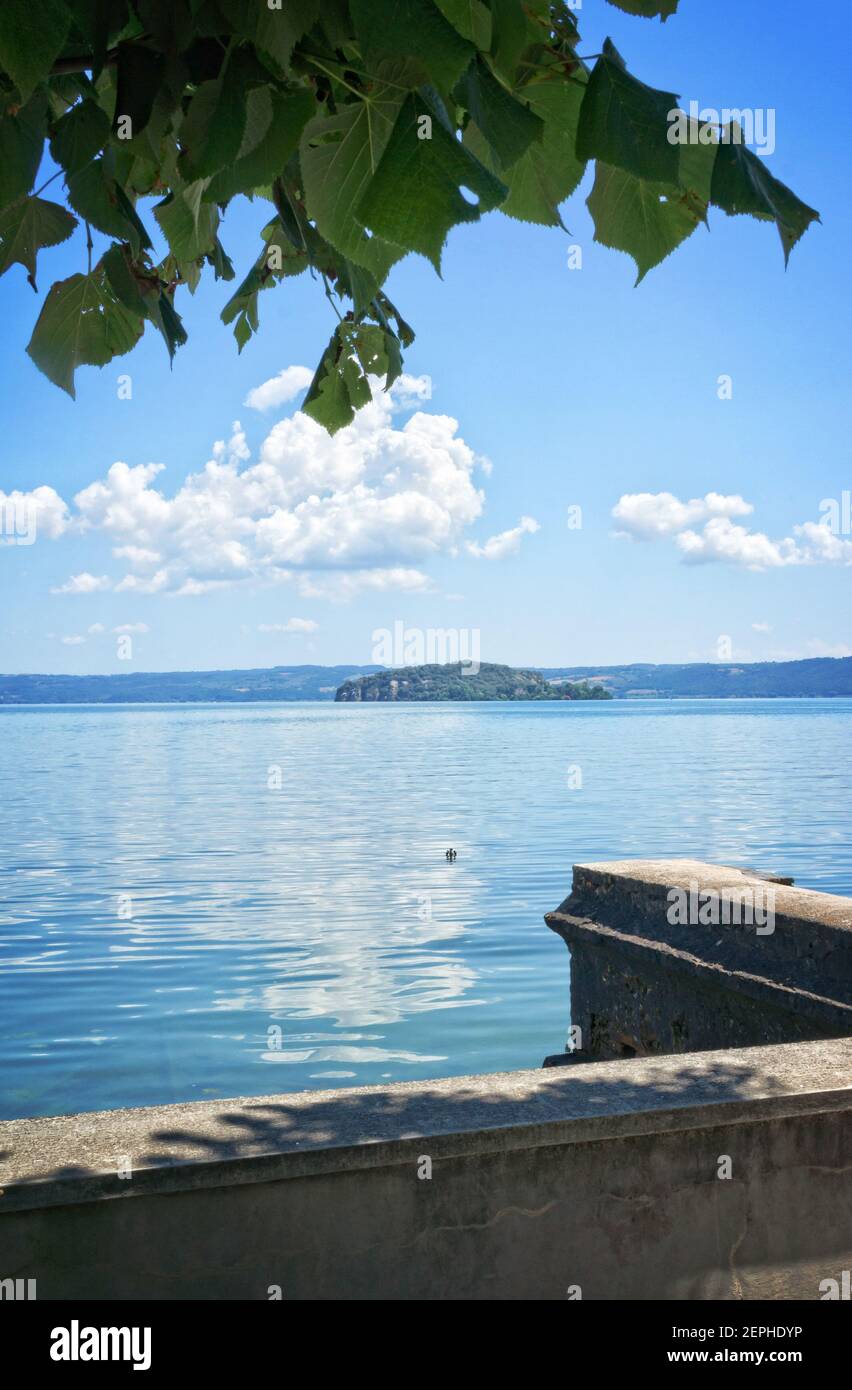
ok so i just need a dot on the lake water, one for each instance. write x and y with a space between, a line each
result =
205 901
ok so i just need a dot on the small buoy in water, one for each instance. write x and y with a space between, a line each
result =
451 854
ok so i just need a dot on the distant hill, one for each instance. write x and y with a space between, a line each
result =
821 676
152 687
448 682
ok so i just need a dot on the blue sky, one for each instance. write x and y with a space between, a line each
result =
574 388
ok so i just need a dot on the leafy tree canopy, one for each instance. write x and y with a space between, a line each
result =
371 126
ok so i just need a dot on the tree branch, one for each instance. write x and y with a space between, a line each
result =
82 64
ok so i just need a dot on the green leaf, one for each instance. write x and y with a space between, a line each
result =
625 123
131 284
357 284
79 136
81 322
646 220
508 35
472 19
27 226
169 22
743 184
100 22
242 308
414 197
96 196
170 325
328 400
223 266
188 225
648 8
275 31
341 384
212 131
141 291
136 235
340 155
412 29
550 170
281 118
21 146
139 74
31 39
279 30
697 162
508 125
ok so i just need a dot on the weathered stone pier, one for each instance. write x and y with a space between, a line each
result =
682 956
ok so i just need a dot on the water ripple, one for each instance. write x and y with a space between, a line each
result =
185 888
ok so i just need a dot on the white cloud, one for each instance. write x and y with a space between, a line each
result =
72 641
721 539
138 556
339 588
761 627
335 515
649 515
96 630
412 390
292 625
141 585
41 510
506 543
820 545
133 628
84 583
652 516
123 503
280 389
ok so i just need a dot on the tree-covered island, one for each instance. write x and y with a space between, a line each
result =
459 681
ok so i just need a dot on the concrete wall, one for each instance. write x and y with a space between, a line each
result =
602 1178
644 983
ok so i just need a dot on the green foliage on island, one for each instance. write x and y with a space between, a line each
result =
362 123
458 681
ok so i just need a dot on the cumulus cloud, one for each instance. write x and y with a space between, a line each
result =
722 539
363 509
84 583
506 543
291 625
43 508
280 389
135 628
650 515
72 641
761 627
653 516
414 390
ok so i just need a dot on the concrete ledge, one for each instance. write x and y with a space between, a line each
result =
682 956
615 882
71 1159
604 1177
648 955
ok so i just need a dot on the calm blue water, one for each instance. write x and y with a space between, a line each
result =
163 908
